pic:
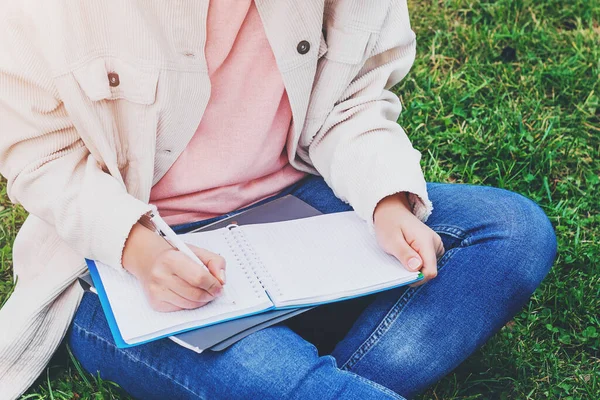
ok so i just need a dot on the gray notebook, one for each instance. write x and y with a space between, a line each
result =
220 336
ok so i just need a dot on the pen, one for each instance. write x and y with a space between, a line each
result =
166 232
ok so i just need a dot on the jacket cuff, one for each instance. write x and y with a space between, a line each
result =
371 174
114 227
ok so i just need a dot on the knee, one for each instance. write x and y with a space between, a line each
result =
529 235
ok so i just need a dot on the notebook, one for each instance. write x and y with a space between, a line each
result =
276 265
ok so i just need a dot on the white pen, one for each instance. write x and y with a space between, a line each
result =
166 232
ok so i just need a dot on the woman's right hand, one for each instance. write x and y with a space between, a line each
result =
172 281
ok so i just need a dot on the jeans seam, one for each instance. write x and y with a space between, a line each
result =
135 359
389 319
450 230
380 330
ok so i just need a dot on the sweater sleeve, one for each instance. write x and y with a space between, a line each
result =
48 168
361 151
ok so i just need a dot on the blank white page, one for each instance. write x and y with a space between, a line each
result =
138 322
323 258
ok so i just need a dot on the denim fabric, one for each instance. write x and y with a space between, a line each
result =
499 246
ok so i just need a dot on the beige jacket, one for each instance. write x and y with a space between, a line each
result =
81 151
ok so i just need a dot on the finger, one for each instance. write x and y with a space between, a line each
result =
162 306
161 293
189 292
155 296
400 249
196 275
429 270
214 262
181 302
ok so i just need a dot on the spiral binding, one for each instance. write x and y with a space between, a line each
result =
250 276
261 273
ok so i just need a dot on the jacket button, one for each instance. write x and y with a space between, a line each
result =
113 79
303 47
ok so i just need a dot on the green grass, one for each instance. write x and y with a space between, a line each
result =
527 120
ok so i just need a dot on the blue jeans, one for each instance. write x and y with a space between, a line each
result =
499 246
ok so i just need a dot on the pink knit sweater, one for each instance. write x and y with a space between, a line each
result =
237 155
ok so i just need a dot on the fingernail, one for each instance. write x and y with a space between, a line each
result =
414 263
222 276
218 292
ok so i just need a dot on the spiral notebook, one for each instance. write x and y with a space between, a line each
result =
276 265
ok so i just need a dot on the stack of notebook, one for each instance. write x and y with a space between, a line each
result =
274 270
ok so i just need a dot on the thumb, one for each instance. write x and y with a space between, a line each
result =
406 254
214 262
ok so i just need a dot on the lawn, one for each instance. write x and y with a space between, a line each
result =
503 93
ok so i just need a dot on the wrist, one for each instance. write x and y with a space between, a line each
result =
397 203
142 247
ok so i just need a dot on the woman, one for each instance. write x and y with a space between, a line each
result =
203 108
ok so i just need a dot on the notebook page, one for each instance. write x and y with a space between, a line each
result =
323 258
138 322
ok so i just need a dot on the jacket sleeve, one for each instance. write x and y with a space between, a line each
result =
361 151
48 168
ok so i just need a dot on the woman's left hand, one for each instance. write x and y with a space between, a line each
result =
404 236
